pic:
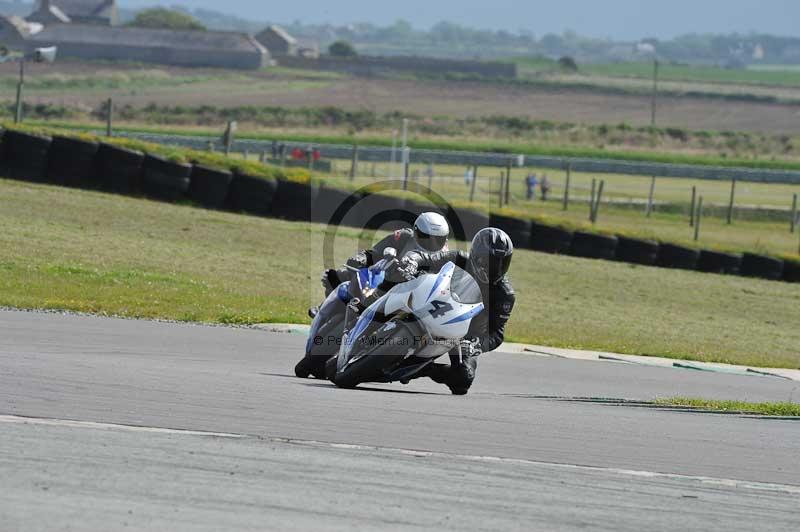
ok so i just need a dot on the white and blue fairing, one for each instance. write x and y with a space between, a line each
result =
443 304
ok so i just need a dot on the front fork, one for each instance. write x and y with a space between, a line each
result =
351 314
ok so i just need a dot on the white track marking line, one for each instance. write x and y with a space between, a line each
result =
94 425
709 481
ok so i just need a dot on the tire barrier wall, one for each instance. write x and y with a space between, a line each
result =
673 256
71 162
251 194
24 156
636 251
163 179
209 187
79 163
118 170
760 266
464 158
593 246
550 239
718 262
518 230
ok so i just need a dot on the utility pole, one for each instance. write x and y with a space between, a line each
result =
655 94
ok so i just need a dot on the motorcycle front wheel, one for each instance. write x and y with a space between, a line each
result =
376 363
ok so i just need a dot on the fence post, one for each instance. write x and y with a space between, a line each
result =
591 198
20 84
500 189
508 182
697 218
472 185
354 163
691 208
263 157
793 223
566 187
406 163
730 205
596 207
246 154
228 136
650 197
109 116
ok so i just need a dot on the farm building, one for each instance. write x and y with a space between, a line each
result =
161 46
100 12
14 31
278 41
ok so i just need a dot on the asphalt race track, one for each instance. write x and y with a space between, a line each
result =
107 424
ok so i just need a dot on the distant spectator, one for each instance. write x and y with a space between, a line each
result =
544 187
274 149
530 183
297 154
430 172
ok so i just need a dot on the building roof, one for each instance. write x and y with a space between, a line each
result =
148 37
85 8
282 33
16 24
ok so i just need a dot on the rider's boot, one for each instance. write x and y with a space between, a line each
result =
458 375
312 312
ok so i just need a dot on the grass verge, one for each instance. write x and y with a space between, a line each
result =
87 251
738 407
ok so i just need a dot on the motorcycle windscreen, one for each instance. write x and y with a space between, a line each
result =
448 308
369 279
464 288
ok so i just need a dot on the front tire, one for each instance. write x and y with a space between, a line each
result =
303 369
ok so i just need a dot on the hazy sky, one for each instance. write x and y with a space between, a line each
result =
621 19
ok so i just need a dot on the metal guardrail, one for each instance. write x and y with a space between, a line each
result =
464 158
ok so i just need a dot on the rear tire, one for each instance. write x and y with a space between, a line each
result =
330 369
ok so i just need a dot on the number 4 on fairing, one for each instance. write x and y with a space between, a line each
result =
440 308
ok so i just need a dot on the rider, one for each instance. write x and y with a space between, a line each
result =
429 235
488 261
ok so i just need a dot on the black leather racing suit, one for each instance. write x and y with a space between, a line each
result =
488 327
402 240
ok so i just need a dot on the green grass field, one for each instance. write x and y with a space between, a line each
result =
702 74
93 252
734 407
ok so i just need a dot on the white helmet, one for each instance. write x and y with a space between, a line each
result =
431 231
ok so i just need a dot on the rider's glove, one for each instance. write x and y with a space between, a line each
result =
470 347
409 266
359 260
330 280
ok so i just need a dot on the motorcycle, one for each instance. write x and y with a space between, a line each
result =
327 327
406 329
